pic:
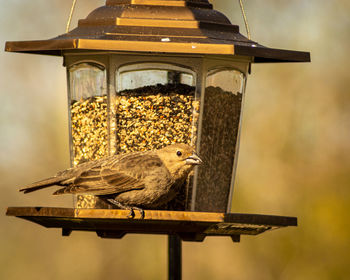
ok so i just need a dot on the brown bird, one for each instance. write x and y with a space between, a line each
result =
130 181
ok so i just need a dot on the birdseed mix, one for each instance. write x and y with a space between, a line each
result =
219 133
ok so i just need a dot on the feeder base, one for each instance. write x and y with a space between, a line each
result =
189 226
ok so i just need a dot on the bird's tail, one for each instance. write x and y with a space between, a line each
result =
41 185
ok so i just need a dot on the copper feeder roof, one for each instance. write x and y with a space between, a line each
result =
160 26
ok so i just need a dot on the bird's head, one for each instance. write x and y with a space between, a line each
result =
179 159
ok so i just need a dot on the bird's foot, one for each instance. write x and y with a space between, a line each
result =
131 214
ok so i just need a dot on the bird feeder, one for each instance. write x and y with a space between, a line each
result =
143 74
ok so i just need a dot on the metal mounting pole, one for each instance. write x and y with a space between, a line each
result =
174 257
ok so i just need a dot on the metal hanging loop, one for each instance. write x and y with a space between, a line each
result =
245 19
70 15
240 4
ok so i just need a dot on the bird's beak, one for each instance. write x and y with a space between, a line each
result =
193 160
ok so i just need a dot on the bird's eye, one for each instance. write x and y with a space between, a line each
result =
179 153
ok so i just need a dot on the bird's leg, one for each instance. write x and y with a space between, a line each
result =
121 206
131 208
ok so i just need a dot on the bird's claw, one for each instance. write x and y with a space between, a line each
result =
142 214
131 214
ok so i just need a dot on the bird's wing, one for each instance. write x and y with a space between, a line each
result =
41 184
114 176
102 181
62 178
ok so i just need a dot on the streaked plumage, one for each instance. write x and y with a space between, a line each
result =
134 180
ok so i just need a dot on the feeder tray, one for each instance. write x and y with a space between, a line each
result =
189 226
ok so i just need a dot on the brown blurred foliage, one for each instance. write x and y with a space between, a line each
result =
294 155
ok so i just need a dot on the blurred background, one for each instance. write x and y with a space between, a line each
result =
294 155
